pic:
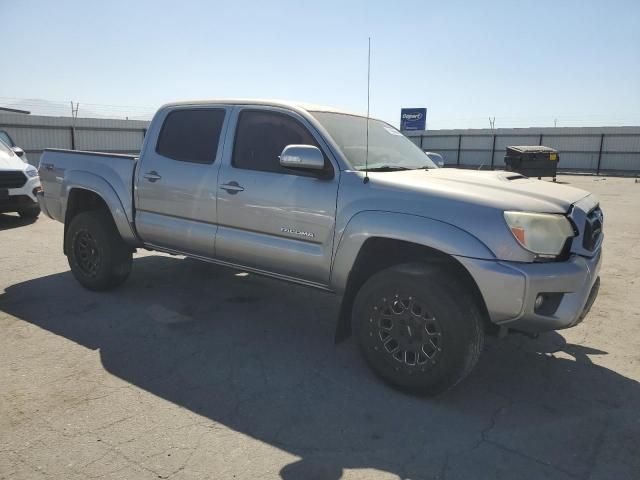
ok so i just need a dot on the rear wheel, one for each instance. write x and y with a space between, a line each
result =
418 328
98 257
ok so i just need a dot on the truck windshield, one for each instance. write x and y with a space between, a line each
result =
4 136
388 149
4 148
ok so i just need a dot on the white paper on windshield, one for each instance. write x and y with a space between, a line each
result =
392 131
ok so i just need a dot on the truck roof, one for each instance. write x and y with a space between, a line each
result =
261 101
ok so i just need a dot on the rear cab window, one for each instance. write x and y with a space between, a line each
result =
191 135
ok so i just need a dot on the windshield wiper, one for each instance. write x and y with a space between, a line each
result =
387 168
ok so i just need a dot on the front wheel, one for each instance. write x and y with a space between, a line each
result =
30 213
98 257
418 328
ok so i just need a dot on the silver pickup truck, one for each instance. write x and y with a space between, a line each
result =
425 261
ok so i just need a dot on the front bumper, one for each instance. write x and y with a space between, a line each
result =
510 290
21 198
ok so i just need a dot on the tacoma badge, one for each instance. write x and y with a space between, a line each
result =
297 232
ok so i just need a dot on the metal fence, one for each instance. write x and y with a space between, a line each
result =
35 133
588 149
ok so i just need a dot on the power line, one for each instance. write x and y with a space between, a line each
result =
88 110
60 108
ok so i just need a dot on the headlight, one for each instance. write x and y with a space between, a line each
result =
31 171
541 233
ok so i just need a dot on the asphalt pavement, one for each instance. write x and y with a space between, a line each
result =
190 370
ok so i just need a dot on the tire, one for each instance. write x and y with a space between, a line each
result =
98 257
31 212
418 328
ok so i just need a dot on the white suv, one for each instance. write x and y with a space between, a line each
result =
6 138
19 183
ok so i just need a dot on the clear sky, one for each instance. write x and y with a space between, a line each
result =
524 62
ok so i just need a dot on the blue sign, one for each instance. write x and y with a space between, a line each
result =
413 119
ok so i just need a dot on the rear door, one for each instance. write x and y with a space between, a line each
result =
270 218
177 180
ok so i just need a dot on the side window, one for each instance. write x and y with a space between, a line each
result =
260 138
191 135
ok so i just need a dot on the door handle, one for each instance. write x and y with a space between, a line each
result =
152 176
232 187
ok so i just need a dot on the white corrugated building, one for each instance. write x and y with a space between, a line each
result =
607 149
34 133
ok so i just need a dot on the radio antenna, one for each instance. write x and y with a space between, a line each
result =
366 154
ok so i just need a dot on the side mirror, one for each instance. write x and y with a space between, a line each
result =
435 158
302 157
18 151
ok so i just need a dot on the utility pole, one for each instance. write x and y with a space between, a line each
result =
492 123
74 116
74 110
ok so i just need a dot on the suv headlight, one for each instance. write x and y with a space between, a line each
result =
31 171
544 234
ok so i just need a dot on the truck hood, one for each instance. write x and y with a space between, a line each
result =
499 189
11 162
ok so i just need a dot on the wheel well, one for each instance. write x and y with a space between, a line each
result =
376 254
78 201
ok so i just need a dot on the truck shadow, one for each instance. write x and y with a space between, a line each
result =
258 356
8 222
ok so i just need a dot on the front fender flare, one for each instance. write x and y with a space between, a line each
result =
417 229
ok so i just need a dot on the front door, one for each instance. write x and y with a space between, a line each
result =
177 181
270 218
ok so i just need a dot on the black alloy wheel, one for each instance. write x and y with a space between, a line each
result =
407 331
87 253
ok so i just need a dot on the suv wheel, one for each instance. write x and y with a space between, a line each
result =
418 328
98 257
31 212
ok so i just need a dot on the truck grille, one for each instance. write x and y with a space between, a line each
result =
592 229
12 179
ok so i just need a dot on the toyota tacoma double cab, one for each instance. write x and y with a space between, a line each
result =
425 261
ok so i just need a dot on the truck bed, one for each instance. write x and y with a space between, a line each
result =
62 170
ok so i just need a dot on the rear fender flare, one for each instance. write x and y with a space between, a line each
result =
98 185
